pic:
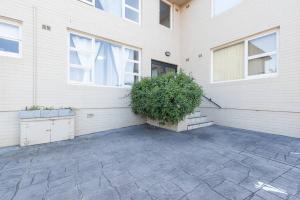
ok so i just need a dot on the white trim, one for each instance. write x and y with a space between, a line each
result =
213 15
171 14
19 40
124 6
124 61
247 58
88 2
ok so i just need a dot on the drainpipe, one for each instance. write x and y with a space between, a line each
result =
34 56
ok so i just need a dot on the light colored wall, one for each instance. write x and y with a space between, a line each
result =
107 105
281 94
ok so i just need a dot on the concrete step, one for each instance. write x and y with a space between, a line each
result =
199 125
197 109
195 115
196 120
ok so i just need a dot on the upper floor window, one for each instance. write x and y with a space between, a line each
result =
98 62
128 9
165 13
250 58
10 39
220 6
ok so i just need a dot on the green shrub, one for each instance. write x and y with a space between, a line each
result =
168 98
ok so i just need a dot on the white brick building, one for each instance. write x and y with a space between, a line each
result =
52 53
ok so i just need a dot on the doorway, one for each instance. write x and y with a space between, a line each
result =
159 68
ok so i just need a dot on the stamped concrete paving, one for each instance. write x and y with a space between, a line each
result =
141 163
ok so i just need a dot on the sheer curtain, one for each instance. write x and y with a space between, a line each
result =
228 63
81 57
107 64
112 6
9 31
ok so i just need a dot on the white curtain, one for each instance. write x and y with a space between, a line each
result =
83 57
107 64
228 63
117 53
112 6
9 31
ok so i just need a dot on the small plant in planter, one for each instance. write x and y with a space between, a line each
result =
36 111
167 99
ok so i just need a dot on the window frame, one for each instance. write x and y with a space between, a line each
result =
213 15
124 6
124 60
171 14
19 40
247 58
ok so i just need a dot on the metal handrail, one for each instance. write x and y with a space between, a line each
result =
213 102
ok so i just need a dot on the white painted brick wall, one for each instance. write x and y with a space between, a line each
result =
201 33
110 108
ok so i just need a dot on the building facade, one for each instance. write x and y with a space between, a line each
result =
85 54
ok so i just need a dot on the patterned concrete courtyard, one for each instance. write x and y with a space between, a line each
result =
145 163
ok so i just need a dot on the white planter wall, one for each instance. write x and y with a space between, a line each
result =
46 130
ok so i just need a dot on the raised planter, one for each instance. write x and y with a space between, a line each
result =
180 127
45 126
32 114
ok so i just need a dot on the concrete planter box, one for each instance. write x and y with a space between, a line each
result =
65 112
32 114
180 127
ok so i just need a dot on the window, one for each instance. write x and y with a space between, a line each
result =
220 6
253 57
128 9
99 62
165 14
10 40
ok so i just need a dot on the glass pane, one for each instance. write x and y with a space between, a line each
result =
133 3
170 70
10 31
131 79
132 54
111 6
9 46
131 15
80 75
221 6
74 59
80 42
81 58
108 64
262 45
264 65
132 67
165 14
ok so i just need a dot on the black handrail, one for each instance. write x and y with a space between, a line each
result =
213 102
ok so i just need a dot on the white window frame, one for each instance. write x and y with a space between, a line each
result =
132 61
19 40
247 58
124 60
171 14
88 2
213 9
124 6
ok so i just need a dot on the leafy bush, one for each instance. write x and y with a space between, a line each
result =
168 98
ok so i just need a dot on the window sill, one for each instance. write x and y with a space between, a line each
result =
72 83
249 78
10 55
